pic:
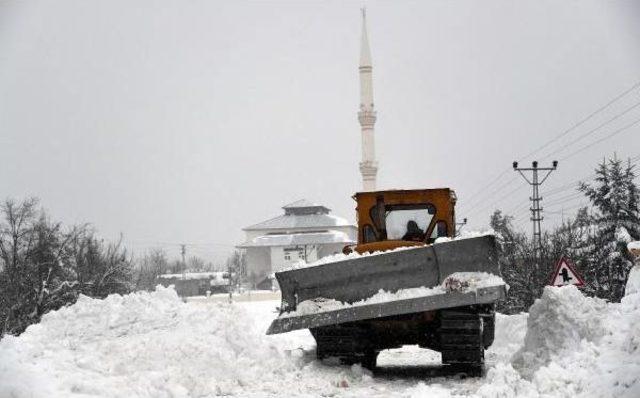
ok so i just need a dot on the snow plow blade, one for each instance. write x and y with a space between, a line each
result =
353 280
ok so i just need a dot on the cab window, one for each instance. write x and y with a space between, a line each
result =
408 222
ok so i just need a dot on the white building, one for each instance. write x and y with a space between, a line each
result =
306 231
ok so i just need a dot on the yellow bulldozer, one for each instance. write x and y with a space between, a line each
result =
407 281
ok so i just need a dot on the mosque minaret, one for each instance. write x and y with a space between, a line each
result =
367 114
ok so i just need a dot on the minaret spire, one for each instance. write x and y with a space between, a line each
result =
367 114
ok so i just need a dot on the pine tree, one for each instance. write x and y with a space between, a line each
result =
615 222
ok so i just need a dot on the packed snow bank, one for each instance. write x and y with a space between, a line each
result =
510 331
577 346
633 281
558 322
139 345
154 345
458 281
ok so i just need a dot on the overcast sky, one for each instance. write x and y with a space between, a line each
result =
184 121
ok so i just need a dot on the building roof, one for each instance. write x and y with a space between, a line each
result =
304 206
302 214
312 238
302 203
302 221
217 277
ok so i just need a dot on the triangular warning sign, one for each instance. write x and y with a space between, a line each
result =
565 274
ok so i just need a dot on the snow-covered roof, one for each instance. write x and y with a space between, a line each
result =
302 203
195 275
294 221
313 238
302 214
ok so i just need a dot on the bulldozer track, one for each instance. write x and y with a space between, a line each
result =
349 344
461 338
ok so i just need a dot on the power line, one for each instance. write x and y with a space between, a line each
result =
520 207
564 187
565 199
505 196
478 202
577 195
615 132
484 189
588 133
581 122
579 205
517 211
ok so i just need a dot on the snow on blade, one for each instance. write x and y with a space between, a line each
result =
459 281
340 256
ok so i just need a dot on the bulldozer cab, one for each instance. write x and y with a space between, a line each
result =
391 219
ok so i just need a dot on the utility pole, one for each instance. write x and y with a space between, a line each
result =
536 210
229 272
183 251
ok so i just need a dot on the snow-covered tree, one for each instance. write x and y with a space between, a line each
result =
237 265
148 268
35 272
44 266
615 222
526 272
101 269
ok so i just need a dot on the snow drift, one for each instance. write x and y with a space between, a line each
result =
154 345
144 344
577 346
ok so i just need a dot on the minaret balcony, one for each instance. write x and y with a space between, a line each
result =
367 118
368 168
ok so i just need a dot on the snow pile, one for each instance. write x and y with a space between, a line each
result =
574 346
510 331
154 345
633 281
139 345
465 282
558 322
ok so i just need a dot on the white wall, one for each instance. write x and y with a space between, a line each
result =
334 248
258 262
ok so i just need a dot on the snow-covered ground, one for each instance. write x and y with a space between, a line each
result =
155 345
